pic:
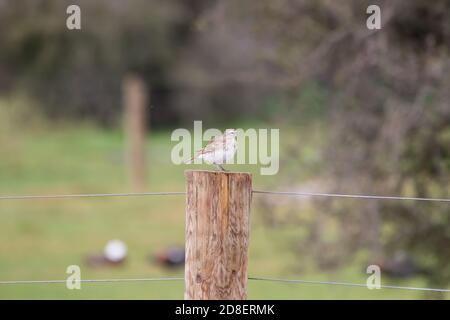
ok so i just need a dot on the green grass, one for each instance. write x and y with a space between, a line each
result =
40 238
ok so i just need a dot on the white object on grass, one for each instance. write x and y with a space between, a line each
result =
115 250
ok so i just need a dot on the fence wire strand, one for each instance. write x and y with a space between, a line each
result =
89 281
353 196
282 193
300 281
348 284
92 195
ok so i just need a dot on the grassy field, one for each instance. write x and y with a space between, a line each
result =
40 238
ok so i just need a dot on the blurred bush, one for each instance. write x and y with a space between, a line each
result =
189 65
78 73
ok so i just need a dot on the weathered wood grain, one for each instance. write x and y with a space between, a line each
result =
217 234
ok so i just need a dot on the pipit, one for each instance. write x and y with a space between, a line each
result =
219 150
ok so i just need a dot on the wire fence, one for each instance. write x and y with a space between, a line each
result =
89 281
91 195
297 281
281 193
352 196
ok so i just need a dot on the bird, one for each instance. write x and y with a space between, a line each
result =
219 150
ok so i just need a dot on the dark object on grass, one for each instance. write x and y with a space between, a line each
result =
171 257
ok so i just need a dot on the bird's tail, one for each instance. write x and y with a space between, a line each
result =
191 160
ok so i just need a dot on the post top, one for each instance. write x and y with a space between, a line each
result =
186 172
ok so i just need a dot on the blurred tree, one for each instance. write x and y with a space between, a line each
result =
198 59
78 73
391 125
388 92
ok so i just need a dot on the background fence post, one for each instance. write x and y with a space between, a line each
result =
135 100
217 234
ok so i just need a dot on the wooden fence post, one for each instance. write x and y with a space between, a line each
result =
135 100
217 234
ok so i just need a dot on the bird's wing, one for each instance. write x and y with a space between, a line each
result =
213 145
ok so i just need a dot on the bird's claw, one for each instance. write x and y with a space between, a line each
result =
221 168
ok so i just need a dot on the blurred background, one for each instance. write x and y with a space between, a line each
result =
359 111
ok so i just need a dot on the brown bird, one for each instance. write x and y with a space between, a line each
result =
218 150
